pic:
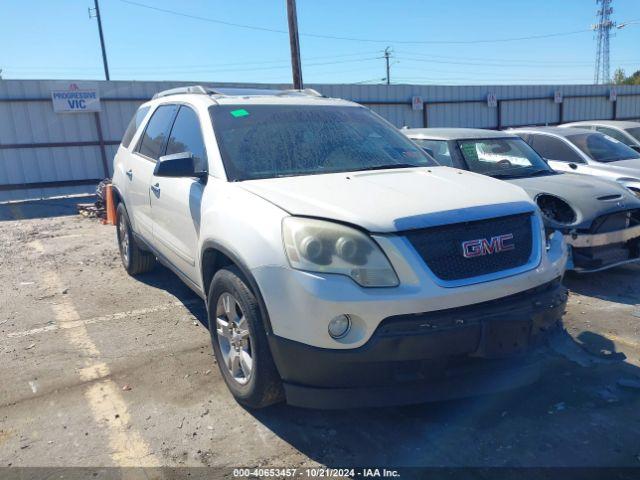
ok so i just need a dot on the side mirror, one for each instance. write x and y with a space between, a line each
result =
178 165
573 166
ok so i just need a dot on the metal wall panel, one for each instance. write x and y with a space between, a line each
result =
529 112
33 122
467 115
584 108
629 107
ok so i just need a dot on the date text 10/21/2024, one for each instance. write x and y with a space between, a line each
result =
316 472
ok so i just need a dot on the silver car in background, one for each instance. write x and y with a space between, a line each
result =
624 131
599 219
587 152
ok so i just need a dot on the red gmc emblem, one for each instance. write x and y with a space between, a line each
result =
481 246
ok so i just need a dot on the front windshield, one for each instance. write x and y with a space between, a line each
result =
502 157
602 148
634 132
266 141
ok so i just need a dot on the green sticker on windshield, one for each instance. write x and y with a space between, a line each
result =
470 151
239 113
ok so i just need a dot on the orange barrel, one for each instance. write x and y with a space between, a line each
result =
111 206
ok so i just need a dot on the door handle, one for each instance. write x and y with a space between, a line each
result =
130 174
156 189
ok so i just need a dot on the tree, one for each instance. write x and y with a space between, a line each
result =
620 78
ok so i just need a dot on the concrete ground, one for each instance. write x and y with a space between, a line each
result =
101 369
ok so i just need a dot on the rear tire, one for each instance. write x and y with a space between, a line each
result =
240 341
134 259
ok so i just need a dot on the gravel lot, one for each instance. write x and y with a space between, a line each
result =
100 369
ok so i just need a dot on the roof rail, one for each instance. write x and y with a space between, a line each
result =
305 91
197 89
201 90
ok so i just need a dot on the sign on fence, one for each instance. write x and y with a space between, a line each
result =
417 103
492 100
75 99
557 97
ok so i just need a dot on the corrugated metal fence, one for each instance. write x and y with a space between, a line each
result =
43 153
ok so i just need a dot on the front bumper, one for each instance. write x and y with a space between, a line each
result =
600 251
451 353
301 304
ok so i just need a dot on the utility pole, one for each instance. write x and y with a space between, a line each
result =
296 65
387 57
96 13
603 29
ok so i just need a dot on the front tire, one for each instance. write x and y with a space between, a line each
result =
240 342
134 259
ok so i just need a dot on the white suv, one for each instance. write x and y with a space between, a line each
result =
339 264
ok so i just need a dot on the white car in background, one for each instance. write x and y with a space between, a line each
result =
586 152
624 131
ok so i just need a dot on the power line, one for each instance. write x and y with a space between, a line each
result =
283 64
214 69
187 68
465 81
505 61
499 65
352 39
364 82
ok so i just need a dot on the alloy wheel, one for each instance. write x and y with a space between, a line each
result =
234 338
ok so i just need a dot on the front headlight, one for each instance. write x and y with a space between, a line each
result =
326 247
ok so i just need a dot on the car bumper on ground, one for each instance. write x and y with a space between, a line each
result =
600 251
458 352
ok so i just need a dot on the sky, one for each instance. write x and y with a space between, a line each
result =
451 42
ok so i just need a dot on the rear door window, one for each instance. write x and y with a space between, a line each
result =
553 148
602 148
155 135
634 132
132 128
615 134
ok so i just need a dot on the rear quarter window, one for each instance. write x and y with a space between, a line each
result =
133 126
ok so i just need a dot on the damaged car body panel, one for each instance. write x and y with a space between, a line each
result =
599 219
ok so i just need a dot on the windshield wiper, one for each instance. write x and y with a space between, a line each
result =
539 172
500 174
385 167
515 174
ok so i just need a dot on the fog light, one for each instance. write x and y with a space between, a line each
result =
339 326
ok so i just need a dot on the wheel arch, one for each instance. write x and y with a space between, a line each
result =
117 196
215 256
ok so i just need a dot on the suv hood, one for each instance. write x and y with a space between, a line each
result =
396 199
589 196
